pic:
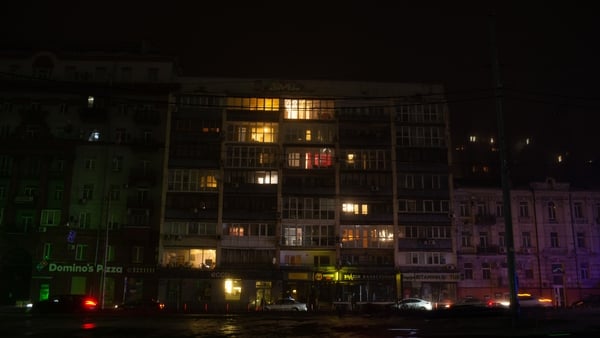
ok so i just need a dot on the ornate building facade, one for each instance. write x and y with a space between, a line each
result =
556 231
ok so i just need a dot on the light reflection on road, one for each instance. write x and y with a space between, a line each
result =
287 325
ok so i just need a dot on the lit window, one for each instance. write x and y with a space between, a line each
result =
94 136
90 102
300 109
473 138
266 177
357 209
245 103
233 289
347 207
237 230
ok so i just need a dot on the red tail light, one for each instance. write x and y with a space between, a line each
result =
90 303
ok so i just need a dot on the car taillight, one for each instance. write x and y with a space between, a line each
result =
90 303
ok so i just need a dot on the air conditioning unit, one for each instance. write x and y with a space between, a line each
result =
42 229
502 249
451 267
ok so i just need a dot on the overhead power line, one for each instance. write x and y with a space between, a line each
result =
470 95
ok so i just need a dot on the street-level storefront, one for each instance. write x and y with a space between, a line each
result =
111 285
364 287
315 288
437 287
219 290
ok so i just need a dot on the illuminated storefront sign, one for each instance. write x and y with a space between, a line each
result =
366 276
430 277
53 267
320 276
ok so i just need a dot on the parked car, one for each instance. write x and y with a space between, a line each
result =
470 306
470 302
286 304
443 304
66 304
413 304
141 306
587 301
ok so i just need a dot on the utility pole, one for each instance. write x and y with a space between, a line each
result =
106 247
506 200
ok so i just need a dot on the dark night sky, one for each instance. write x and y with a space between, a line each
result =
546 50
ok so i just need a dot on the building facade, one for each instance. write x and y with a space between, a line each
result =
556 246
81 171
320 190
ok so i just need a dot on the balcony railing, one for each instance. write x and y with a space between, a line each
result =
24 199
142 176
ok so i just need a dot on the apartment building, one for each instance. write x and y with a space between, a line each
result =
82 148
326 191
555 232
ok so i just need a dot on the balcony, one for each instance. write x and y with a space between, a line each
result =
142 177
405 244
146 117
136 203
248 241
24 199
252 115
366 190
